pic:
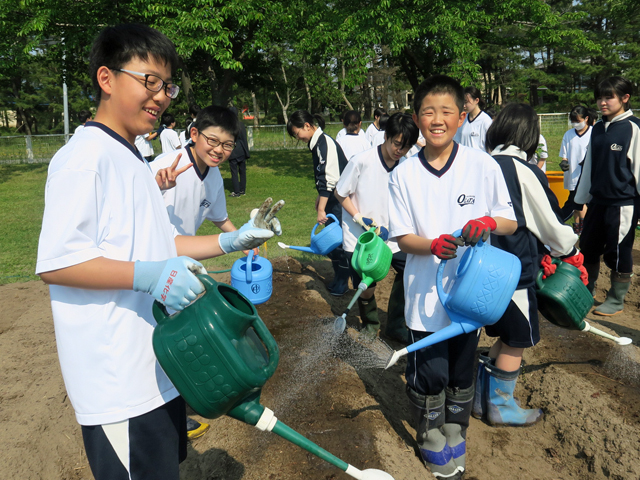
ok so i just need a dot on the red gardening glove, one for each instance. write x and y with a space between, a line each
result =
577 260
444 247
477 229
548 267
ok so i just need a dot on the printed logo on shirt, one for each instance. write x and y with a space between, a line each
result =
616 148
475 134
205 203
466 200
320 159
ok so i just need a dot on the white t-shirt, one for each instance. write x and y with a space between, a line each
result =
197 195
574 149
371 131
365 180
378 138
352 144
343 132
169 140
143 144
101 200
542 153
473 133
78 129
429 203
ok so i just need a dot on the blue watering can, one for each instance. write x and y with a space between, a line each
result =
323 243
485 280
252 277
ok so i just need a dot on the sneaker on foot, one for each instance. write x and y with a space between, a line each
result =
234 194
196 429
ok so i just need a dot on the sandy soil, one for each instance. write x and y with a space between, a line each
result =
587 386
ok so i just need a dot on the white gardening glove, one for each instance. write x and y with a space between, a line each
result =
265 217
172 282
365 222
255 232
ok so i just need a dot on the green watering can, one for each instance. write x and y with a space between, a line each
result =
372 260
219 353
565 301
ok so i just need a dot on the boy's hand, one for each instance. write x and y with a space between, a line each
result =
444 247
172 282
364 222
477 229
166 177
265 217
260 228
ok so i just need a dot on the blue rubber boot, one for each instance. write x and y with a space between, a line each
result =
428 414
480 400
502 408
457 411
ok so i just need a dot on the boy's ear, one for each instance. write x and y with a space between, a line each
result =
415 118
104 76
193 134
463 115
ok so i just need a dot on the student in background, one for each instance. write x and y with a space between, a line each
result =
84 116
343 130
375 126
193 113
144 146
353 143
238 160
168 136
541 154
474 129
378 139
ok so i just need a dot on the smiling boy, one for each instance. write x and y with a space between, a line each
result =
444 188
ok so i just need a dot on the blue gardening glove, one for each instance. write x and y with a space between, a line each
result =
172 282
369 223
383 233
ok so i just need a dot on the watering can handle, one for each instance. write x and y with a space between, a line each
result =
249 271
313 232
272 346
441 294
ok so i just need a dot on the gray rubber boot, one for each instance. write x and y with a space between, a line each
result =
457 411
479 407
593 270
428 414
369 318
396 328
614 303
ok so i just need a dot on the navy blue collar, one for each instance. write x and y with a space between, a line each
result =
583 133
201 175
443 170
474 118
384 164
116 137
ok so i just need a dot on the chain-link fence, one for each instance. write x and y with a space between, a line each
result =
29 148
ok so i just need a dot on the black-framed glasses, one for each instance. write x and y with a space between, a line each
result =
155 83
214 142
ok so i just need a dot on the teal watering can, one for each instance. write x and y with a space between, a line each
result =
324 242
219 353
484 282
252 276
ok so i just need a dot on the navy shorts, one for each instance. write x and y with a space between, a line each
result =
610 232
148 447
518 327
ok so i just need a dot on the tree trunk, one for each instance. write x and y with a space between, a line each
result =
186 87
308 91
283 105
344 74
256 110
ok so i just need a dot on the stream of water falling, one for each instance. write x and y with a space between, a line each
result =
624 363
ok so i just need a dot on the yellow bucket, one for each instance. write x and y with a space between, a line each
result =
556 184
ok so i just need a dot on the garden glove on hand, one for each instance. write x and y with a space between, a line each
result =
255 232
478 229
577 260
564 166
172 282
548 267
444 247
369 223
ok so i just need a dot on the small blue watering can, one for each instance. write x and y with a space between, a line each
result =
253 278
323 243
485 280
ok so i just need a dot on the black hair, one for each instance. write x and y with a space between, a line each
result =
216 116
351 121
116 46
194 109
84 115
439 84
167 119
589 114
614 87
593 116
300 117
474 93
490 111
378 112
517 125
402 124
384 118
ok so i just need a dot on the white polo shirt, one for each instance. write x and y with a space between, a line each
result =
428 203
343 132
169 140
143 144
197 195
371 132
101 200
365 180
574 149
378 138
352 144
473 133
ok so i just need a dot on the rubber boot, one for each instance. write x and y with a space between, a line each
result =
341 273
428 415
396 328
196 429
593 270
369 318
457 411
614 303
479 407
502 408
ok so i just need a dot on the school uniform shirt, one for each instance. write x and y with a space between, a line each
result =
537 213
101 200
328 163
169 140
365 181
78 129
143 144
428 203
574 148
378 139
611 170
473 133
352 144
371 132
197 196
343 132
